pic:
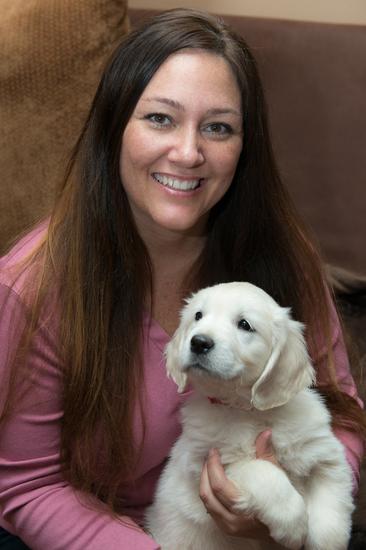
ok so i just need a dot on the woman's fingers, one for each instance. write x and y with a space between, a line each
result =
212 504
264 448
219 496
216 482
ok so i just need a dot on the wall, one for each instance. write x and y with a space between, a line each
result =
331 11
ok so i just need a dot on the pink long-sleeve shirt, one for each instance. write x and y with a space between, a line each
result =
36 503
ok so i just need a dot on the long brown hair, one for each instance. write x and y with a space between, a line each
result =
95 258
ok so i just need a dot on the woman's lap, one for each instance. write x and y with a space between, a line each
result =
10 542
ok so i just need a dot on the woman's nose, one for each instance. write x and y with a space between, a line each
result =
186 150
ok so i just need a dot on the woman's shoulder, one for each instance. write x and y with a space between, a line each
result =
15 270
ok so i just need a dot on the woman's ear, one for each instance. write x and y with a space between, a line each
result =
173 363
288 369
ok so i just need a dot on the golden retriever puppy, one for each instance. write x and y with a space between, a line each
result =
248 363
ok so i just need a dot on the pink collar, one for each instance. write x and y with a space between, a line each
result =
215 401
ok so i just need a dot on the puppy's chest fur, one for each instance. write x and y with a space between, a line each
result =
233 432
208 425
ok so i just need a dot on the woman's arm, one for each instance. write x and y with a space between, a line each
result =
352 442
37 504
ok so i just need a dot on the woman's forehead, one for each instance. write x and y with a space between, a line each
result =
194 76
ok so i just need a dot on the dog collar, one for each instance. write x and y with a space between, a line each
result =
215 401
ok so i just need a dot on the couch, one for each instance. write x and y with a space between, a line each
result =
51 57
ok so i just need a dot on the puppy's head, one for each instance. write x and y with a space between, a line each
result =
234 339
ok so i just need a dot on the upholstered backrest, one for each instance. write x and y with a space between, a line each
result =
51 56
315 82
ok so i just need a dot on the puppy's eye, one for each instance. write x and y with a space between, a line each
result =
198 315
244 325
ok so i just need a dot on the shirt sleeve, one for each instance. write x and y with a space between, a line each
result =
37 504
352 442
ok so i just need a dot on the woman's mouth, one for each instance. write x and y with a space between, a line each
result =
179 184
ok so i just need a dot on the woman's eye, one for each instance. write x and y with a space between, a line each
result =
218 129
159 119
243 324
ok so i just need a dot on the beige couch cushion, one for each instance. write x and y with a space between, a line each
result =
51 55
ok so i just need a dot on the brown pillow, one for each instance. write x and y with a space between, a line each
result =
51 56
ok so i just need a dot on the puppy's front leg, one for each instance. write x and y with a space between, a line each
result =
330 506
266 491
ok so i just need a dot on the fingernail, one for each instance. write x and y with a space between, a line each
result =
268 439
212 452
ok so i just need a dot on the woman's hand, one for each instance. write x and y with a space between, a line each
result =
219 494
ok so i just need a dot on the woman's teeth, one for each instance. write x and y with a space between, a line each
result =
179 184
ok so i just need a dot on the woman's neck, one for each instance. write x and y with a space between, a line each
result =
172 253
172 256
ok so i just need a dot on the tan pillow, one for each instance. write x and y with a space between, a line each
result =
51 56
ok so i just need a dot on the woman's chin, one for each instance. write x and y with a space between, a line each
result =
183 226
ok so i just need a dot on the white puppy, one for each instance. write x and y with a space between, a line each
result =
237 345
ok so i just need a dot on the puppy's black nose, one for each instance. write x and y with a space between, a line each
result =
201 344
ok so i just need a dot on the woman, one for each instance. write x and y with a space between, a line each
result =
172 186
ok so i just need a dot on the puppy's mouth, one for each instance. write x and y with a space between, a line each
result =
204 369
198 368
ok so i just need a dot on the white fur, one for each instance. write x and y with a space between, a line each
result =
262 377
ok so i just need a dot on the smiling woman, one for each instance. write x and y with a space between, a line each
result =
172 186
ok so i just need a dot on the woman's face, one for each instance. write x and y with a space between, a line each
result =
182 144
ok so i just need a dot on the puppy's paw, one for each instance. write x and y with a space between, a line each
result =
289 527
323 535
266 491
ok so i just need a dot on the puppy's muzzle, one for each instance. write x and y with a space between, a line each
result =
201 344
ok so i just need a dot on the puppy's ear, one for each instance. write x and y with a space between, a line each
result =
172 362
288 369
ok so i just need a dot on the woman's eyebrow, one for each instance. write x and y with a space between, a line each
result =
166 101
176 105
224 111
